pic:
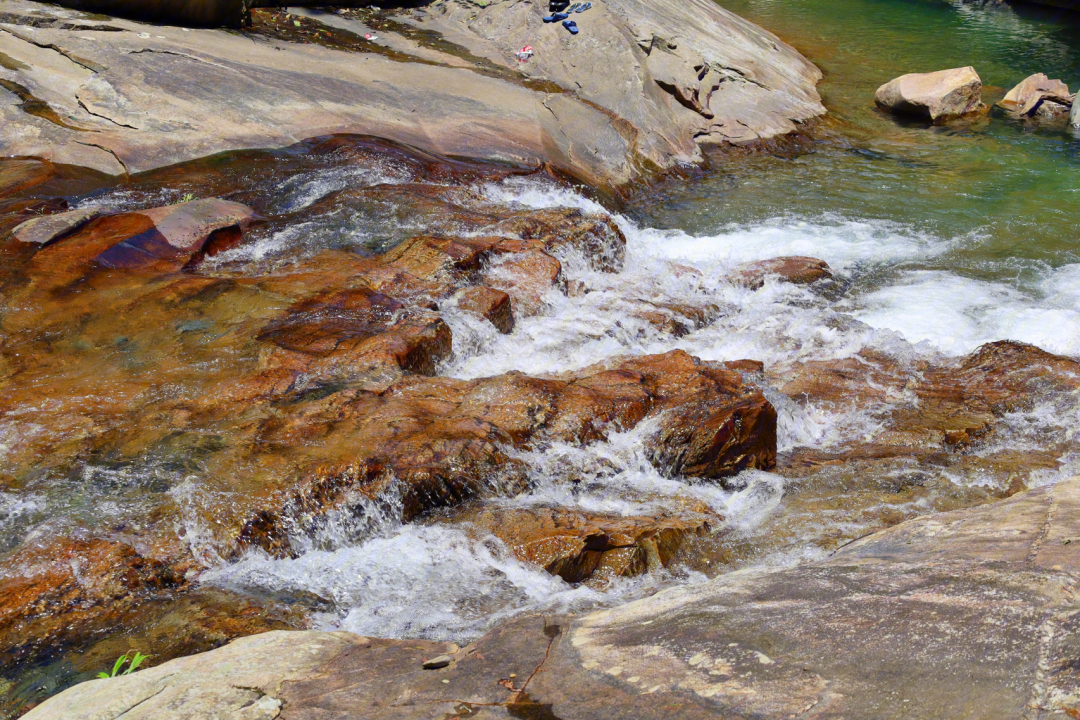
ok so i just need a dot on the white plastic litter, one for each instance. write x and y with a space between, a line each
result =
524 53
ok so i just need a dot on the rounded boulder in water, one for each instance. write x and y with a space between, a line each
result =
933 96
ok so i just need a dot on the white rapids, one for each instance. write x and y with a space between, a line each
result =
433 581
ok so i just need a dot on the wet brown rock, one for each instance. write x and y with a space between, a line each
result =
591 406
19 175
444 441
63 592
161 240
585 547
715 425
437 258
492 305
797 270
678 319
347 326
1038 94
526 277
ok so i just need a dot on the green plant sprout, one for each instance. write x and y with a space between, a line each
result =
188 197
116 671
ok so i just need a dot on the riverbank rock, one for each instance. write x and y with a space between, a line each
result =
114 95
1040 95
932 96
963 614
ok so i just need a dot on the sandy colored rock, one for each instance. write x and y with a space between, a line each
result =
932 96
1034 91
45 229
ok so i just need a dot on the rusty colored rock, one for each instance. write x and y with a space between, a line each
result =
796 269
19 175
65 591
490 304
585 547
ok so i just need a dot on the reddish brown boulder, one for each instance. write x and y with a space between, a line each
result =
156 241
350 326
714 424
796 269
584 547
490 304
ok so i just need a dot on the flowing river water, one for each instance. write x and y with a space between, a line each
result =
942 239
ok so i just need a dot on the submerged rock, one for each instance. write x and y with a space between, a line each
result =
796 269
963 614
1039 95
933 96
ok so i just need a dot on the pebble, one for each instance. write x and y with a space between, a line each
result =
438 662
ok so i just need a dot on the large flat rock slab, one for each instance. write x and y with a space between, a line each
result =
640 88
969 614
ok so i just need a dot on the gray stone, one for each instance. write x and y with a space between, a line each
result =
45 229
933 96
968 614
435 663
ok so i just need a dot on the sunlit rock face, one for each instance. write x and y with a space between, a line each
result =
655 83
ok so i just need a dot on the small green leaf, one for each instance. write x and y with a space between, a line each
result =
103 674
135 662
119 664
